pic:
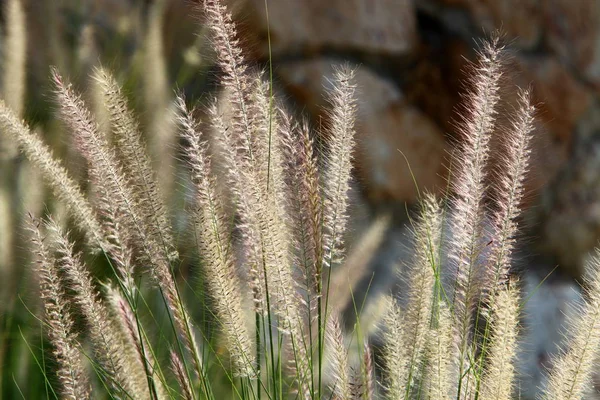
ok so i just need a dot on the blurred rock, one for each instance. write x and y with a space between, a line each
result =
388 127
416 110
300 26
308 80
561 99
561 103
573 32
435 83
520 20
567 220
386 137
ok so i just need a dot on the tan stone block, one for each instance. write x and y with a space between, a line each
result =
573 32
561 99
308 80
519 20
387 127
561 102
399 147
372 26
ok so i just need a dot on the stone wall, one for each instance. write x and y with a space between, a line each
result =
412 57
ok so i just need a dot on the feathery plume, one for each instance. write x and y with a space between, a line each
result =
138 357
107 346
135 161
264 222
264 226
70 371
180 375
57 177
238 172
130 348
338 359
368 373
470 185
264 219
214 245
438 375
117 244
270 221
468 205
498 377
395 356
231 61
106 172
269 137
305 198
509 195
425 266
571 376
511 190
338 164
337 177
122 223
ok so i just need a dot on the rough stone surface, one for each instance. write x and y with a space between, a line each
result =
519 19
562 103
388 127
412 102
568 216
375 26
573 33
435 83
389 135
561 99
308 81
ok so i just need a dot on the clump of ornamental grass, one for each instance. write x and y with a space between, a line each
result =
269 243
456 335
265 153
575 364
